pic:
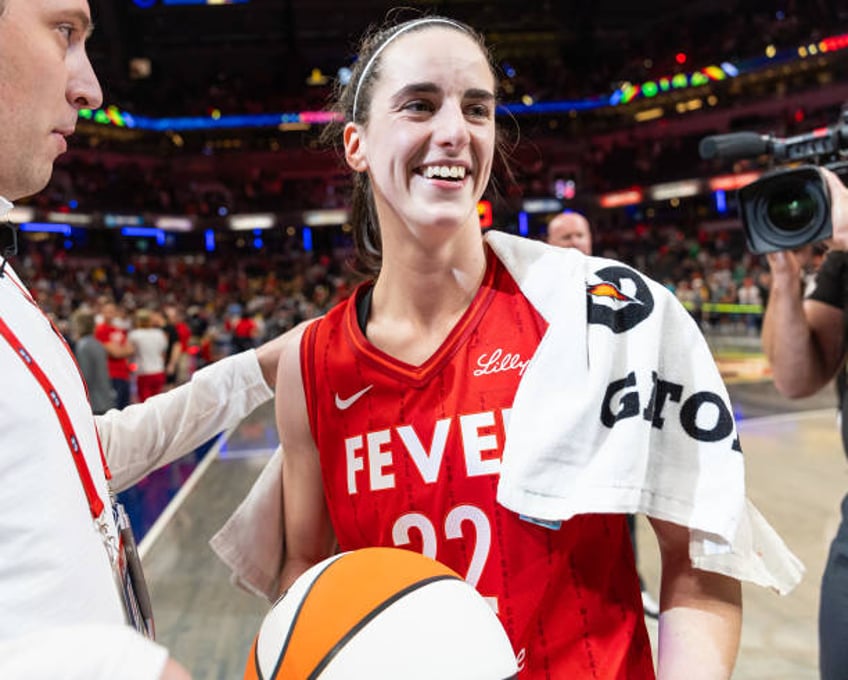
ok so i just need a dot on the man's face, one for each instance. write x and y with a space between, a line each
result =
45 79
570 230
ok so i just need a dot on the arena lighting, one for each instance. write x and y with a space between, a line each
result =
113 220
79 219
307 239
732 182
720 201
565 189
484 210
523 223
19 215
833 43
680 81
627 93
619 199
111 115
541 205
293 127
145 232
649 114
689 106
173 223
209 240
46 228
324 218
316 78
669 190
252 222
519 109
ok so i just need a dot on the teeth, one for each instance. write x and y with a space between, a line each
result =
444 171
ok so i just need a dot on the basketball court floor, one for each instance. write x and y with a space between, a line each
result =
796 472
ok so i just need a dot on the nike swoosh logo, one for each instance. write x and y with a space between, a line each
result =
344 404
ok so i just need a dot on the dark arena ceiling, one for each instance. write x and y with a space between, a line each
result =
259 47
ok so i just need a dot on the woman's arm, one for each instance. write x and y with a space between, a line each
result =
700 613
309 534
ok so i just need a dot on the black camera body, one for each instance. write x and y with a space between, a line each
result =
787 207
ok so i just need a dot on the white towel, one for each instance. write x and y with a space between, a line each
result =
622 409
252 541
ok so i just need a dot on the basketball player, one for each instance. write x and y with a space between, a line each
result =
62 613
393 408
572 230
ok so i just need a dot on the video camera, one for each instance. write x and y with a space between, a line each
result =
790 206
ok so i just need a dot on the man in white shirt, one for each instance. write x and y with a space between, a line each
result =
62 612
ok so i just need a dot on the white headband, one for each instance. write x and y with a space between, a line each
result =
403 29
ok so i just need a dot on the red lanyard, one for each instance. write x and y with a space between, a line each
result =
95 504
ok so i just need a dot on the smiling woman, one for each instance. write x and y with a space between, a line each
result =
393 409
353 102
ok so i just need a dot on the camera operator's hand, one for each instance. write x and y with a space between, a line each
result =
838 211
785 267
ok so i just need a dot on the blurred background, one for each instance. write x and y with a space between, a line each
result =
205 162
201 192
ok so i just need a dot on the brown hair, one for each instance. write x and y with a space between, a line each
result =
353 104
82 321
143 318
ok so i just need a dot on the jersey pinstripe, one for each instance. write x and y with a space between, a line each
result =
410 457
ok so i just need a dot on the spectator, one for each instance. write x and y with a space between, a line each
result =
119 349
150 344
93 362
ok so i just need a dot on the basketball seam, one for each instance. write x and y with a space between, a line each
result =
282 654
256 664
328 657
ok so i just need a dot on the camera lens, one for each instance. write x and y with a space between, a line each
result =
785 209
791 207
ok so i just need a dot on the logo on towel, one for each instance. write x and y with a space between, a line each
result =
620 300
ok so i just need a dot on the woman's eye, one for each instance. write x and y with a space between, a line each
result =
418 106
479 110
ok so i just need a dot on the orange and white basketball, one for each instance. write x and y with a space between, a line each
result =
380 614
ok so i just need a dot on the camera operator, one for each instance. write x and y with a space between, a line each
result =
804 339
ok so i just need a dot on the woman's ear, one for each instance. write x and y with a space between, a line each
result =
354 147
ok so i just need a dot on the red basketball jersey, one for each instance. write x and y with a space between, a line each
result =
410 457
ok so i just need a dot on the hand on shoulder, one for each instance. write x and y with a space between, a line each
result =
268 354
